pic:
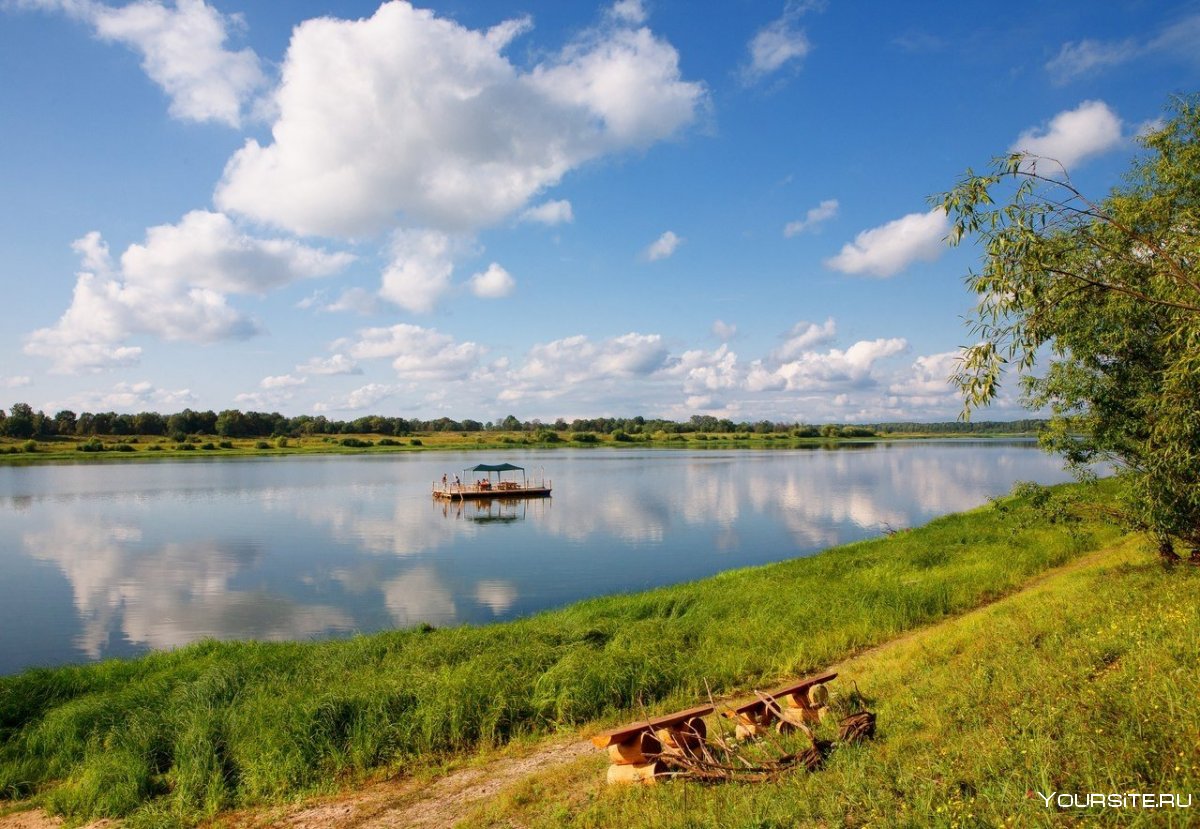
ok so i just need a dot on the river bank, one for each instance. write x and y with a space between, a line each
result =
217 725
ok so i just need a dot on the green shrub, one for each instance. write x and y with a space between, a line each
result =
621 437
585 437
261 444
282 443
29 446
356 443
179 437
226 444
154 447
416 442
186 447
857 432
209 446
122 447
90 445
389 442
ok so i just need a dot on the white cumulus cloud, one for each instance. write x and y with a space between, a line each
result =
417 353
929 378
890 248
493 283
420 271
282 381
662 247
361 398
337 364
552 368
130 397
173 287
804 336
629 11
183 51
1073 135
405 116
206 250
812 371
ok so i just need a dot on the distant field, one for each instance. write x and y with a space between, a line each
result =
131 447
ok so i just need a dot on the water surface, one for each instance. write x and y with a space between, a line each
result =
113 559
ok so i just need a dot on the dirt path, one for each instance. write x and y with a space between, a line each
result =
409 804
37 819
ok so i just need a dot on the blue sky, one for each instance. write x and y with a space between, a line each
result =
546 209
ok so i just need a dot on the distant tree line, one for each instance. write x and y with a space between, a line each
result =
21 421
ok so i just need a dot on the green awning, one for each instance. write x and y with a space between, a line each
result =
499 467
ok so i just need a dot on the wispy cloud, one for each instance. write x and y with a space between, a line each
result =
1079 59
780 43
823 212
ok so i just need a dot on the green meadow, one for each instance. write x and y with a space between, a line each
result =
15 451
1087 683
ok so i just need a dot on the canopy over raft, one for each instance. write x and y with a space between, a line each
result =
462 488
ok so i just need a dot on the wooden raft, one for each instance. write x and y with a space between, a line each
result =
785 708
636 750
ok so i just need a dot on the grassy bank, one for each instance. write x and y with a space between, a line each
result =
145 447
1087 683
181 735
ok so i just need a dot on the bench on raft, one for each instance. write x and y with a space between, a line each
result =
799 702
637 750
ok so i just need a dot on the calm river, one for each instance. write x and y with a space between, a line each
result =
102 560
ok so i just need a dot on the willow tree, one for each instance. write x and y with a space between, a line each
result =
1096 306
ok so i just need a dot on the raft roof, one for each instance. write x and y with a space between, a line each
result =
496 467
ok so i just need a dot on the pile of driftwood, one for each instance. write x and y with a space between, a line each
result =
749 748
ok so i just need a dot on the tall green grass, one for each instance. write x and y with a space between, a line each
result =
1087 683
177 736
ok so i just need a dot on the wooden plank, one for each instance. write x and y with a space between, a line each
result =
626 732
756 706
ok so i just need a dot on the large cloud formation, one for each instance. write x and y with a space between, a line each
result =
174 287
406 117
